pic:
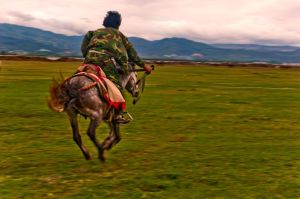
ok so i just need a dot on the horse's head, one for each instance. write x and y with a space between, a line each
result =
130 83
131 86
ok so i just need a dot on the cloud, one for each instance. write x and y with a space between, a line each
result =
21 17
212 21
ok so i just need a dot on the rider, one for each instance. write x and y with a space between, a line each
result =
110 49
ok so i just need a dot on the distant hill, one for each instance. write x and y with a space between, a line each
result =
179 48
28 40
33 40
172 48
257 47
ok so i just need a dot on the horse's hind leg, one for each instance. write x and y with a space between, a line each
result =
76 134
94 123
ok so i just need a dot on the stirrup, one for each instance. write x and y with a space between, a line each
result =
121 119
128 115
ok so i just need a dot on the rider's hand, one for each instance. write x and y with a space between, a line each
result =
147 68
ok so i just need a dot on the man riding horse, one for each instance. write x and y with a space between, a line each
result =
110 49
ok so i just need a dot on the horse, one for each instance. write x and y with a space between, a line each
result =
78 95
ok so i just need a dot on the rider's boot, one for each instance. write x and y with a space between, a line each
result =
120 118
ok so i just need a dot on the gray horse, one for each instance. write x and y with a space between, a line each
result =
68 96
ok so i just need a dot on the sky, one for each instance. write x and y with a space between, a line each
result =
273 22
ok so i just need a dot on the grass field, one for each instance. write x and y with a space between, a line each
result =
199 132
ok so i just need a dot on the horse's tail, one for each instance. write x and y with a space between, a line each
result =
58 96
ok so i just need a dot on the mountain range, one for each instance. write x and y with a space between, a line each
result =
33 41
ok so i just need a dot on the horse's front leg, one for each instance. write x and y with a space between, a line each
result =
94 123
76 134
114 136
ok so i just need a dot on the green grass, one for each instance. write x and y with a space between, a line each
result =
199 132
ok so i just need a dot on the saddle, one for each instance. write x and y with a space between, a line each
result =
108 90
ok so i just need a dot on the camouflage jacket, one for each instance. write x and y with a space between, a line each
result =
112 43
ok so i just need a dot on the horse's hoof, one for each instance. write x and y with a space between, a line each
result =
88 158
102 159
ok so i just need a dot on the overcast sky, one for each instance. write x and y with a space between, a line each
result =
210 21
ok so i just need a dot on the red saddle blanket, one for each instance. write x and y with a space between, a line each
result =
108 89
